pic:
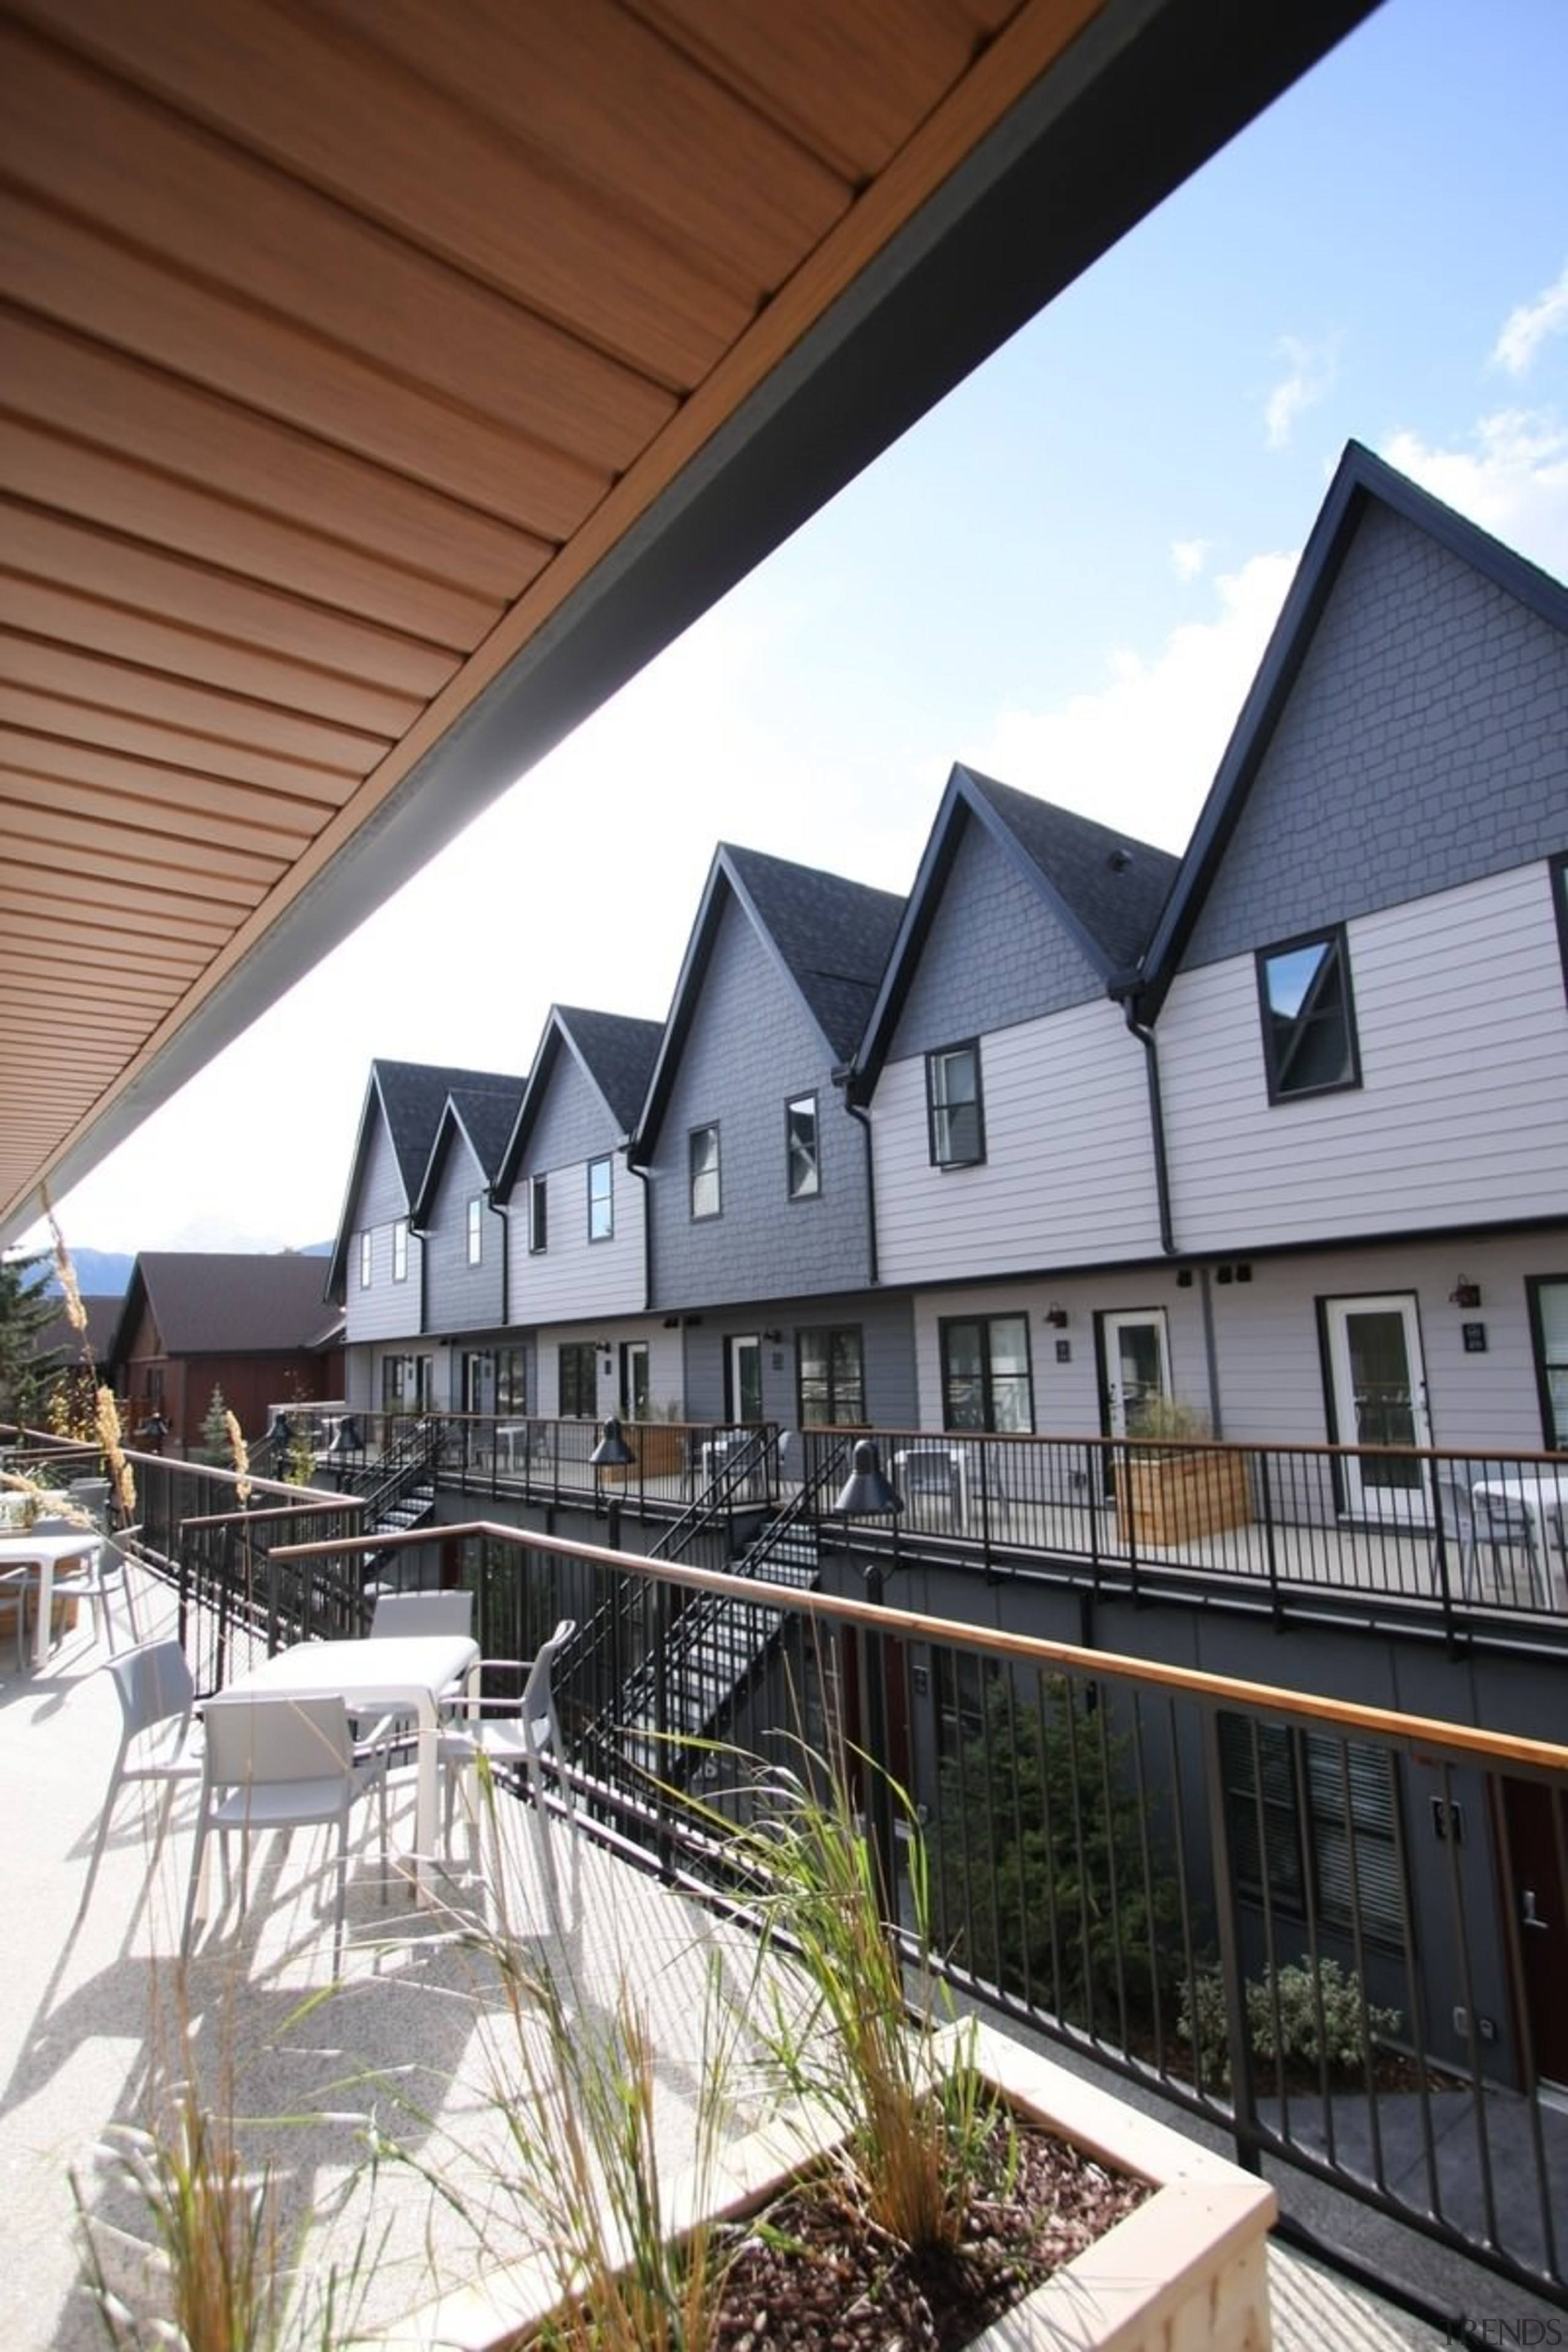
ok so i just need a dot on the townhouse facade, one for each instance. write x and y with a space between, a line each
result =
1278 1130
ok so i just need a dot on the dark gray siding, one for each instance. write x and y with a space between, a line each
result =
752 1046
1424 746
996 956
887 1338
459 1297
389 1310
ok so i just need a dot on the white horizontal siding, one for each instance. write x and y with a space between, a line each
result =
1069 1172
1462 1113
575 1276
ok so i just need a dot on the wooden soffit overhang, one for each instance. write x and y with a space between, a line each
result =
384 382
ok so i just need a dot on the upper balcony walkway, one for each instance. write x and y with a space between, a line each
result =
415 2052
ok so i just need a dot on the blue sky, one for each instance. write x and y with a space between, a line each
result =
1065 576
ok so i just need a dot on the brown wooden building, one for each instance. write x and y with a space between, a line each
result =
257 1328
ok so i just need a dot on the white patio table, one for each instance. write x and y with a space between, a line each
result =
1544 1494
406 1673
46 1553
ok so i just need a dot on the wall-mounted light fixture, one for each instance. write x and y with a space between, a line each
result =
1056 1314
1465 1293
772 1338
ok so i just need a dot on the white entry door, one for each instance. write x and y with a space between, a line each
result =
745 1376
1137 1367
1380 1399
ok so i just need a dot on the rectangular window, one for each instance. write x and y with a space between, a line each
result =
1308 1019
804 1178
1548 1298
703 1159
1560 901
579 1368
400 1250
1312 1825
366 1259
475 1231
985 1379
601 1201
831 1364
537 1213
512 1381
954 1107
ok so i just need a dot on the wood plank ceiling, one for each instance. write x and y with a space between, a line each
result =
382 381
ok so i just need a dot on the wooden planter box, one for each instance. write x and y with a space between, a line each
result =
1187 2271
660 1449
1177 1498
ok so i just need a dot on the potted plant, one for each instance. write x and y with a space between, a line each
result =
897 2168
1175 1484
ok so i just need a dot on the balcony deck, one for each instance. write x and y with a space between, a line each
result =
414 2039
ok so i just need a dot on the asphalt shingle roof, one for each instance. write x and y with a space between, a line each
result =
223 1302
413 1097
1114 884
834 935
620 1052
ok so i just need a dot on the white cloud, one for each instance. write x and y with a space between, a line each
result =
1512 481
1141 752
1313 368
1188 557
1528 326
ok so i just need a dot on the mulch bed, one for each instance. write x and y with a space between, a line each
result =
821 2276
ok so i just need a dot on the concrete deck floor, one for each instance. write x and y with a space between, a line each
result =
407 2057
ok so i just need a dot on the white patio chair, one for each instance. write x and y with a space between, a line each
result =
515 1733
157 1741
281 1762
929 1470
1492 1522
404 1616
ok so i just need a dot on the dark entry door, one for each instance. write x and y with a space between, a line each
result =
1536 1817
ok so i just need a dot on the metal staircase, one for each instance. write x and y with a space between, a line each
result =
717 1648
398 1488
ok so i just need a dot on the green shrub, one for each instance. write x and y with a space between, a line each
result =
1305 2014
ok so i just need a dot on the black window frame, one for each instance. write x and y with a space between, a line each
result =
942 1110
1558 868
576 1377
954 1410
605 1201
538 1215
809 1153
1275 1062
1553 1433
828 1400
1310 1818
693 1173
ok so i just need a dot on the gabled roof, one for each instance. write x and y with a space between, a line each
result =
58 1337
1359 481
828 937
483 1117
615 1053
1104 888
227 1302
407 1100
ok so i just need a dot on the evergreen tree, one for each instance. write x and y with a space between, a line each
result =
27 1306
215 1429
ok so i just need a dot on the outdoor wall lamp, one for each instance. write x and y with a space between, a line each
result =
1057 1314
1465 1293
772 1338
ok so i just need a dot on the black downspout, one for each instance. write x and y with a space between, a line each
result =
642 1174
1145 1036
843 1077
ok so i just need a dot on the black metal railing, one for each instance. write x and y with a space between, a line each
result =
1323 1928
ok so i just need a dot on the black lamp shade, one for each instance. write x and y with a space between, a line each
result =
612 1452
866 1493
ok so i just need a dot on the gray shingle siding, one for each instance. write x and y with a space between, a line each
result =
995 956
1423 746
573 1126
751 1048
459 1297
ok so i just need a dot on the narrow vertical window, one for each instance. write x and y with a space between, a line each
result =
802 1159
537 1213
1309 1024
1559 870
400 1250
601 1201
954 1106
366 1259
475 1231
703 1146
